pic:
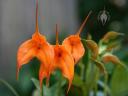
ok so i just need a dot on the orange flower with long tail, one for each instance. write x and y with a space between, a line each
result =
74 45
36 47
63 60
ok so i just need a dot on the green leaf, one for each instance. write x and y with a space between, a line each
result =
110 36
9 87
119 82
36 92
113 45
108 57
48 91
77 80
80 85
85 60
92 76
36 83
109 42
85 90
103 85
100 66
86 56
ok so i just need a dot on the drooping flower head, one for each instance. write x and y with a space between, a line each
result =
63 60
73 43
36 47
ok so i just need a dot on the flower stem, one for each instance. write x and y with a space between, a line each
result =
41 92
9 87
86 63
59 86
96 86
105 81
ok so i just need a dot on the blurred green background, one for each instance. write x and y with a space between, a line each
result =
17 23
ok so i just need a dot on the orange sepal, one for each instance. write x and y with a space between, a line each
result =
44 73
35 47
25 53
75 47
73 43
46 56
63 60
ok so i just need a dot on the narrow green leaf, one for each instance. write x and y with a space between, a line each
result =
100 66
103 85
36 83
85 60
9 87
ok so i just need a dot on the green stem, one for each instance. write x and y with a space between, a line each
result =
41 93
84 73
86 64
85 61
59 86
105 81
96 86
9 87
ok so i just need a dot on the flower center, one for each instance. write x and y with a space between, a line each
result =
59 54
39 46
72 43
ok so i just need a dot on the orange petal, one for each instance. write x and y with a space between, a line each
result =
46 55
64 61
74 45
43 73
25 53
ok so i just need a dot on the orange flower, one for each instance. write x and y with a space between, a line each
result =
63 60
74 45
36 47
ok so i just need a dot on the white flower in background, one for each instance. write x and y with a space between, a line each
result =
103 16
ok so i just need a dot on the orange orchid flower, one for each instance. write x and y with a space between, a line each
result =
73 43
36 47
63 60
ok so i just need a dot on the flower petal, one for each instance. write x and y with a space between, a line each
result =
107 58
92 45
46 55
64 61
43 73
111 36
74 45
25 53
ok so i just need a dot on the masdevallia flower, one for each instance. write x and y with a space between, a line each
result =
74 45
63 60
36 47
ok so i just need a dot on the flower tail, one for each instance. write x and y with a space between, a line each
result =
37 26
83 24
